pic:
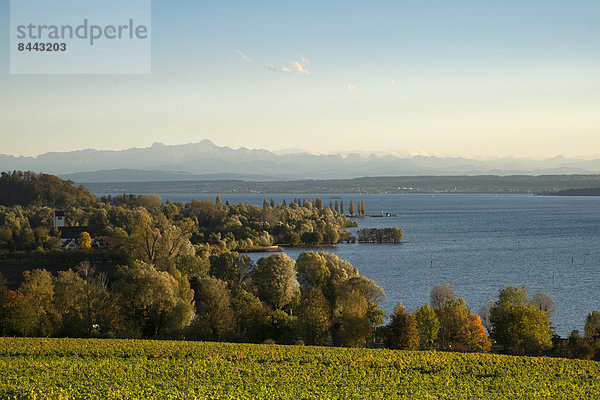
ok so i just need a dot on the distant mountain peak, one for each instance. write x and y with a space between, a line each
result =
204 158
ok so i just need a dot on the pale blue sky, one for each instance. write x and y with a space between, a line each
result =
476 78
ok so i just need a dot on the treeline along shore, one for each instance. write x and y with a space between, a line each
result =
527 184
173 270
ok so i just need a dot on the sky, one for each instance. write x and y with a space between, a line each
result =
472 78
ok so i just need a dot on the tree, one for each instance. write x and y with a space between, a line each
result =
312 270
144 238
352 327
37 290
193 266
519 324
218 200
314 321
545 302
275 280
83 302
441 295
342 207
25 188
17 315
156 241
460 329
366 287
153 301
69 303
232 268
575 347
402 332
251 316
319 203
484 313
327 272
84 241
312 238
174 241
214 317
428 326
149 202
100 311
378 235
592 325
351 207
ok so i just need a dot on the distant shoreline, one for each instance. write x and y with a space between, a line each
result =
480 184
575 192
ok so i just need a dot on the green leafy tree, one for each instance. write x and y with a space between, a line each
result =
428 326
319 203
193 266
100 311
312 270
17 315
153 301
157 241
214 319
37 288
352 326
402 332
232 268
312 238
69 303
592 326
251 317
314 317
275 280
26 188
519 324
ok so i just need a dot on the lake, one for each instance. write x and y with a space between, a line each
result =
477 243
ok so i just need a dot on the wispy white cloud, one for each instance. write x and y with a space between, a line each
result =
298 67
352 88
393 81
245 57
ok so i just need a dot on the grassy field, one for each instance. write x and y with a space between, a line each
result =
130 369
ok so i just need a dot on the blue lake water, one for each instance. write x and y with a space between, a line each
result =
478 244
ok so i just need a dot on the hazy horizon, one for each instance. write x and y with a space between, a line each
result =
467 78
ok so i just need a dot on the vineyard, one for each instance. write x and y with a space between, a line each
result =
117 369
